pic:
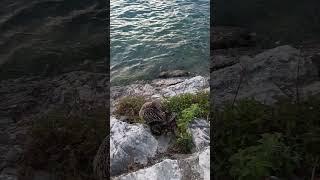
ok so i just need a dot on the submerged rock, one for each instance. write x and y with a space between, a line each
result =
174 73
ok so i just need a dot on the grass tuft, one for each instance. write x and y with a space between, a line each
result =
129 107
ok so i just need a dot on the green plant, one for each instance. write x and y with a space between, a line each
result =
187 115
187 107
271 156
184 143
181 102
238 128
184 139
130 106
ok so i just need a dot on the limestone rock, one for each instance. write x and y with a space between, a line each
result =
165 170
194 167
129 144
200 132
191 85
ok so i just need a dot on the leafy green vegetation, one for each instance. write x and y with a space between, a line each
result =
256 140
187 107
181 102
129 107
261 160
184 139
64 144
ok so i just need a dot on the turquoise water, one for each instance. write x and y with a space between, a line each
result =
149 36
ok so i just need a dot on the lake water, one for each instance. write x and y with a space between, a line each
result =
149 36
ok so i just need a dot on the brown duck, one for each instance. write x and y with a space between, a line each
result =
159 119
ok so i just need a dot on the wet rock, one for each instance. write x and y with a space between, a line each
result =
167 82
174 73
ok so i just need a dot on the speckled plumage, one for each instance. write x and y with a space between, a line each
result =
157 117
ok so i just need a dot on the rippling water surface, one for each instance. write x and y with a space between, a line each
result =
149 36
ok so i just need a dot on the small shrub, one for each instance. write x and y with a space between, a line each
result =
184 140
181 102
264 159
129 107
187 116
238 128
187 107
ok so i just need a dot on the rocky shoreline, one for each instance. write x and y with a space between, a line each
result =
266 76
239 70
159 88
133 144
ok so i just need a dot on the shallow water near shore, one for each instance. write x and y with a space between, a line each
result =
156 35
